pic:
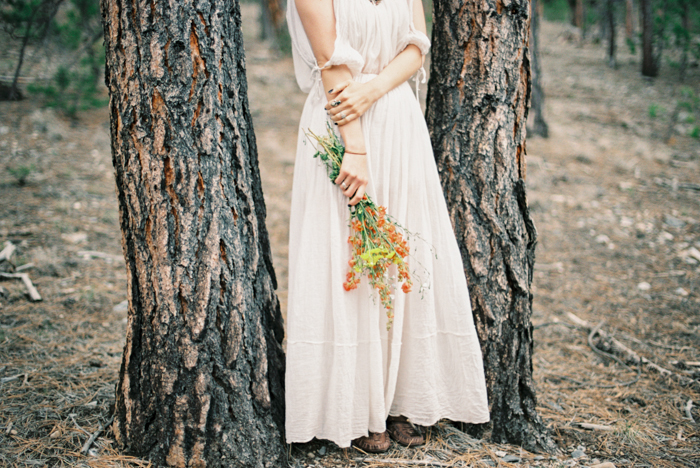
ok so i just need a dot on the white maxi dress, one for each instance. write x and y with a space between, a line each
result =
345 372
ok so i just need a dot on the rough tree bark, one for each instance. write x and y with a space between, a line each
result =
540 126
476 111
650 66
201 382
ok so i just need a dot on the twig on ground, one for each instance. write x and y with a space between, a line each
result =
26 266
649 344
688 411
72 418
96 254
686 363
11 378
31 290
401 461
595 427
628 354
94 436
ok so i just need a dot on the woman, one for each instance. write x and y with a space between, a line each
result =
349 380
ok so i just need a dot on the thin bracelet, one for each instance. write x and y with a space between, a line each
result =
355 152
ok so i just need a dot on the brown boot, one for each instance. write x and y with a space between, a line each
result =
375 442
404 432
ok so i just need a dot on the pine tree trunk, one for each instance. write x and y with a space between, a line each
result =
540 126
629 21
476 111
201 382
580 18
685 24
612 46
650 66
272 23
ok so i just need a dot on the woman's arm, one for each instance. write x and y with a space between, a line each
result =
318 19
355 98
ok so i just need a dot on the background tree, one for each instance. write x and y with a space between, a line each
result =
629 20
26 20
476 111
539 126
611 32
650 64
201 382
273 26
77 36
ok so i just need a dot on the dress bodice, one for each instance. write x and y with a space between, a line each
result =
368 37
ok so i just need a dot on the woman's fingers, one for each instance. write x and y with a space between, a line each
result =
359 193
333 94
339 88
354 191
342 118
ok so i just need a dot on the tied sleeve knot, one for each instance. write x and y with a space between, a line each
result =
420 77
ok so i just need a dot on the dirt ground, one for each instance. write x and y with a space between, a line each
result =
616 200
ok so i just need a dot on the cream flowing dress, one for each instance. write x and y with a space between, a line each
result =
345 372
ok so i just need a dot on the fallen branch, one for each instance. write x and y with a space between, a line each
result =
627 354
94 436
6 253
600 352
31 290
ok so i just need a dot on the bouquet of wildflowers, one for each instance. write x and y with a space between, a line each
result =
377 240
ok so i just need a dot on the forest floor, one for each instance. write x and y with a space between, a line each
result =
616 200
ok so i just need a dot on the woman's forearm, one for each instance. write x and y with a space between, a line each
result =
352 132
349 100
400 69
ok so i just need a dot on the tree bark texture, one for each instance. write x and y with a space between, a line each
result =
540 126
477 111
201 382
650 66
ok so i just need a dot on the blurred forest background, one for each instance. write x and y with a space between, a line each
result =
613 181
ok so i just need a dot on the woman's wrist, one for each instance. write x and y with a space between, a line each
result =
361 153
378 85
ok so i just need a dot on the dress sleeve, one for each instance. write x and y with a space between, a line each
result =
414 36
306 69
343 52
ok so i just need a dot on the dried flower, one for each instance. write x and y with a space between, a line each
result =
377 240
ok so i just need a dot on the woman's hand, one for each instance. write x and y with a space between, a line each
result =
353 176
349 100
